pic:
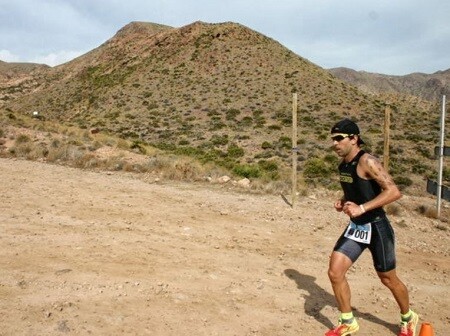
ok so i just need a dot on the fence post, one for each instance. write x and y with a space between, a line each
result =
387 127
294 148
441 159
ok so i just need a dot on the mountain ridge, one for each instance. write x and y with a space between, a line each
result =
426 86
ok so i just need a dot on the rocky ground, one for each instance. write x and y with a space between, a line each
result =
97 253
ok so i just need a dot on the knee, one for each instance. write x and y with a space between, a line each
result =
335 275
389 280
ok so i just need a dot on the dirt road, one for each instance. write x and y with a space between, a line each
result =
96 253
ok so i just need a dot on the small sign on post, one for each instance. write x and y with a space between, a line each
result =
441 190
432 188
437 151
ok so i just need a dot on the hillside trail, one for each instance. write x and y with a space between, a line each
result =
98 253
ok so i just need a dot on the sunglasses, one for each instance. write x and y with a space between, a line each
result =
340 136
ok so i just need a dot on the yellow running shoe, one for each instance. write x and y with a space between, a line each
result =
344 329
409 328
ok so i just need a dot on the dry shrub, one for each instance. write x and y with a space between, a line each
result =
282 187
393 209
427 211
21 149
123 144
86 160
185 170
22 138
65 153
24 147
402 224
38 151
431 213
115 163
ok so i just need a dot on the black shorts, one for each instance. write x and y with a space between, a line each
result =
382 246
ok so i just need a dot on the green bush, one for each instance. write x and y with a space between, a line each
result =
183 142
268 165
219 140
266 145
248 171
22 138
403 181
234 151
316 168
231 114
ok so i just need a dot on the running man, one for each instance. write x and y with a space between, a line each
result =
367 187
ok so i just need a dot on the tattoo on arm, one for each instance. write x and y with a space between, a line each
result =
376 171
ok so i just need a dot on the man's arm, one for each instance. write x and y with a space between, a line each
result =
371 168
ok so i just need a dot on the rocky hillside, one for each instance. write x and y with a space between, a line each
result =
10 72
223 93
17 79
428 87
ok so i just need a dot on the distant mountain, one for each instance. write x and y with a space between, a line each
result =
221 89
13 71
17 79
428 87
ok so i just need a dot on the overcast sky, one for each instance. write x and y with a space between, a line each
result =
394 37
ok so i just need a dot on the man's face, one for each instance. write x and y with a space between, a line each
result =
342 143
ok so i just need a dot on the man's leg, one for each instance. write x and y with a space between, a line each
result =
409 319
397 287
338 267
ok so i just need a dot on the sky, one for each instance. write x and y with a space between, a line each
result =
392 37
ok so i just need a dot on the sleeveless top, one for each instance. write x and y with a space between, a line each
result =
359 190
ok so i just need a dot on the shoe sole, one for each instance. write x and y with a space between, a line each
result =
351 332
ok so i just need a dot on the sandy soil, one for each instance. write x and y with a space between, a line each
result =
96 253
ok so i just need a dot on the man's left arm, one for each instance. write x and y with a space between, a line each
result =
373 169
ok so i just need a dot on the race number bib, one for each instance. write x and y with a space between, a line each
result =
359 233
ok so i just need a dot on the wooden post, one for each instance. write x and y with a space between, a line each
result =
294 148
387 126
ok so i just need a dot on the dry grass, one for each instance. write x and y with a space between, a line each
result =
393 209
427 211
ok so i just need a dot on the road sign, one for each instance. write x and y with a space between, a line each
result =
446 151
432 187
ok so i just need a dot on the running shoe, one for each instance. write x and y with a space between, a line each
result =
409 328
344 329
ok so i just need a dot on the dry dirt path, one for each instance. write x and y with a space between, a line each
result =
95 253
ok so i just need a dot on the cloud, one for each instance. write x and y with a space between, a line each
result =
395 37
54 59
7 56
51 59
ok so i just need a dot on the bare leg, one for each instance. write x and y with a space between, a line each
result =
339 265
397 287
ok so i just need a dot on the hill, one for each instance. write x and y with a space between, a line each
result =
429 87
17 79
15 71
222 93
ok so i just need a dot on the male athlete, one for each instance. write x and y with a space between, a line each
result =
367 188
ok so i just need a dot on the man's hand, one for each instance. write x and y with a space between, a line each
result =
339 205
352 209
